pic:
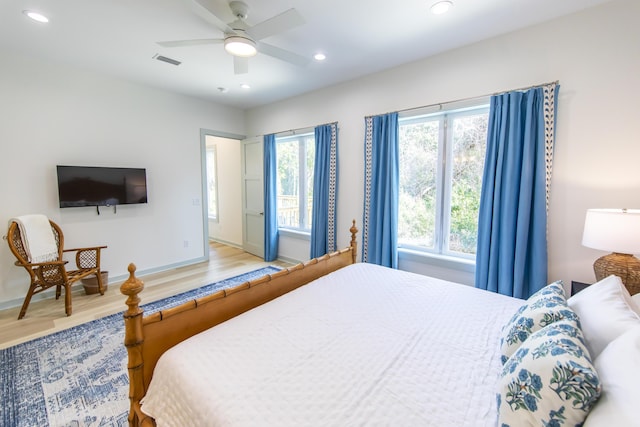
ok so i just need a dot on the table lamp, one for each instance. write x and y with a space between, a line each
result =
618 231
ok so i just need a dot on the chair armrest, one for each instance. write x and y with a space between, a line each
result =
93 248
87 257
39 264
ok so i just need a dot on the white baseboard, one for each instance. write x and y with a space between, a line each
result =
290 260
224 242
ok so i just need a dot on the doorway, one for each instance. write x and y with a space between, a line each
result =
221 187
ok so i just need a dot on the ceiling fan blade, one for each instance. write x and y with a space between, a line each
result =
278 24
283 55
214 12
240 65
181 43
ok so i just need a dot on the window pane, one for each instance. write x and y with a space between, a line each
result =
295 157
288 183
469 135
212 186
310 150
418 143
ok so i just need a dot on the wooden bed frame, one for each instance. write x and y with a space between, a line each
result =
147 338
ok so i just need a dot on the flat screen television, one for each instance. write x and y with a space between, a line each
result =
101 186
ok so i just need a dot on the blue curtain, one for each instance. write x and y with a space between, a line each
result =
512 226
324 190
270 199
380 223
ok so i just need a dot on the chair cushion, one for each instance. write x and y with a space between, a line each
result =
38 240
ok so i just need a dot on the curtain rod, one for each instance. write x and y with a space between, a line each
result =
293 131
471 98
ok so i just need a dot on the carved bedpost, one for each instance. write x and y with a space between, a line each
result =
354 243
133 339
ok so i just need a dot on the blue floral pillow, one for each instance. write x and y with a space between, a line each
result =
543 308
549 381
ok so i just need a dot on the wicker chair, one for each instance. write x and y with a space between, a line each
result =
45 275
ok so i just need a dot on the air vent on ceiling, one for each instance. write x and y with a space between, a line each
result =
165 59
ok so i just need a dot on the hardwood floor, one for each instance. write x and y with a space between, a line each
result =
47 316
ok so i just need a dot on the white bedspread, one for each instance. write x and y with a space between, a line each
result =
364 346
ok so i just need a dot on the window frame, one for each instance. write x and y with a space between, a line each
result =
444 114
300 136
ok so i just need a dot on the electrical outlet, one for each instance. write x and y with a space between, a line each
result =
196 202
186 243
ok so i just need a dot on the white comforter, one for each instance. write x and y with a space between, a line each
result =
365 345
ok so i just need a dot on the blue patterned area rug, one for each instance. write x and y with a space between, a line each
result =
78 377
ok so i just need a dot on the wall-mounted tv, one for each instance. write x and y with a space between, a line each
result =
101 186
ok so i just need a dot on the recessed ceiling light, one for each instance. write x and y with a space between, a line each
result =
319 56
245 86
441 7
36 16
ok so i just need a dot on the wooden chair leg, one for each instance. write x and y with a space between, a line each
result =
58 291
26 302
67 299
100 285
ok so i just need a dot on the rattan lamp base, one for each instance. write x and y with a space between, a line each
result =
625 266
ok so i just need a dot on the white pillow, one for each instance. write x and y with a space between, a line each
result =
636 299
606 311
549 380
618 368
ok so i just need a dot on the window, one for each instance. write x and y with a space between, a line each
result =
295 157
212 182
441 163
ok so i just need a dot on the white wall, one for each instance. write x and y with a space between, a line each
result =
51 114
596 57
228 227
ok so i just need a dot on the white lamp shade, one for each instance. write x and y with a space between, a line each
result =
613 230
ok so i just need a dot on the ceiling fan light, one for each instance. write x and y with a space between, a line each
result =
240 46
441 7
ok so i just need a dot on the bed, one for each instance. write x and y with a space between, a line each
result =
334 343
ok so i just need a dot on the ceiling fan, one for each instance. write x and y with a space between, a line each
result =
240 39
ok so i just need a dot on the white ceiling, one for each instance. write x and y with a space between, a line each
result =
359 37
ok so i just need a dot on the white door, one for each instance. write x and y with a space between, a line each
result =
252 197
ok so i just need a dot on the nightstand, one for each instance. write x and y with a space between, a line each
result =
577 287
